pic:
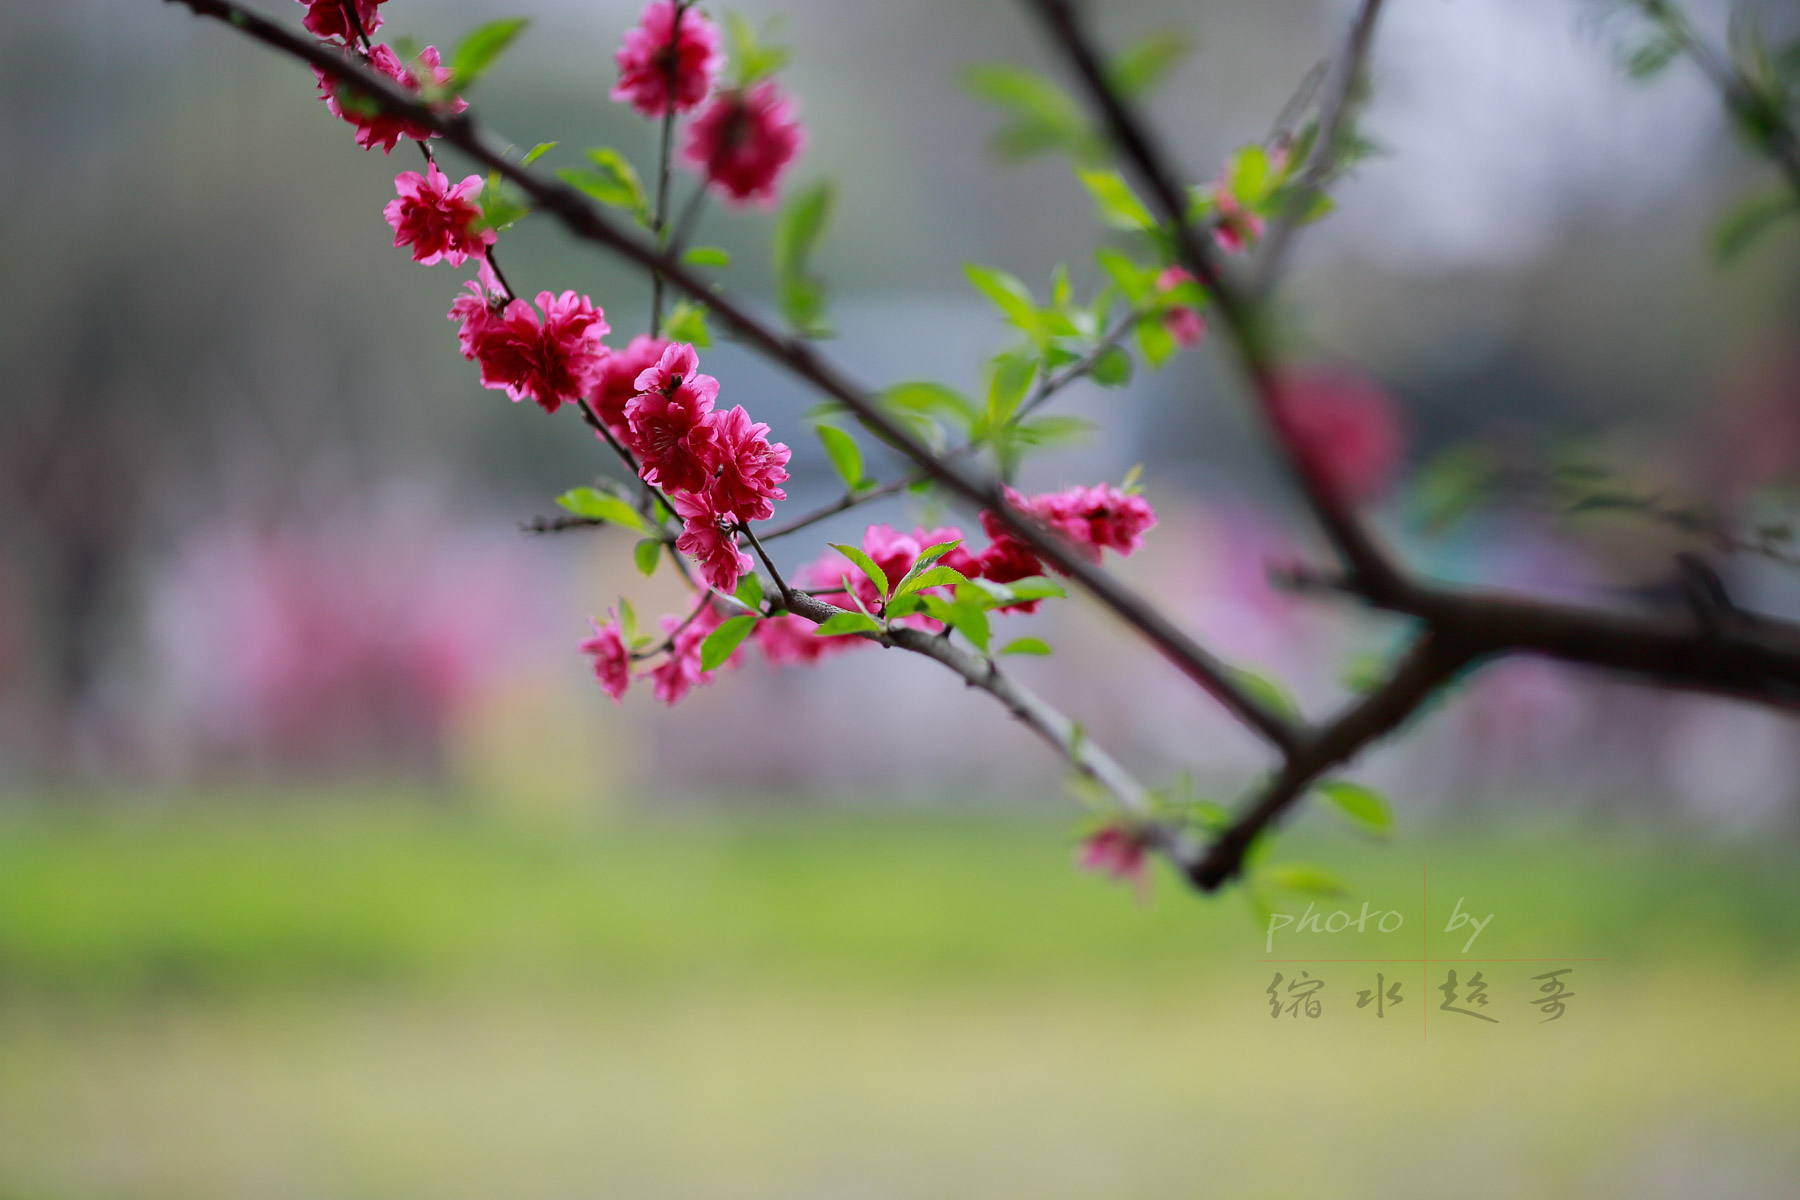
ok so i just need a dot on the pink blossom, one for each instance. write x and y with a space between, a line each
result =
1097 518
617 383
1344 428
790 640
643 58
380 128
708 537
437 220
1236 227
743 139
612 661
1007 559
1182 321
1117 851
327 19
746 468
553 360
680 672
668 424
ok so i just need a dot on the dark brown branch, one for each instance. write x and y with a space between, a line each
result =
587 223
559 524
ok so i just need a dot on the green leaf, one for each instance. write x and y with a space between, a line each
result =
1271 694
501 205
707 256
1008 294
1045 117
613 181
967 619
839 624
1036 587
482 47
720 643
688 324
1112 368
1155 340
934 552
1011 379
1365 806
536 152
1738 230
845 457
1027 645
750 591
1054 431
601 506
1248 176
1138 282
646 554
876 575
932 399
1118 205
797 232
929 578
753 57
1301 877
1147 60
1652 57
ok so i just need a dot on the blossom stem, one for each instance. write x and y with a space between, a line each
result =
781 586
494 266
664 152
652 494
354 19
690 216
668 643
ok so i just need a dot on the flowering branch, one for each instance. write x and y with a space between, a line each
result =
586 223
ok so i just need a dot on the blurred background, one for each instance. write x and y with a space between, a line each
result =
326 870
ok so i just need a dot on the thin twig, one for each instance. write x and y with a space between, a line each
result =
781 586
665 147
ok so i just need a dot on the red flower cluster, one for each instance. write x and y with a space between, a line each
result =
1344 428
1181 320
330 18
743 140
612 660
374 128
553 360
645 65
437 220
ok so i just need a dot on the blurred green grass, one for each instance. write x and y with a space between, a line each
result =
321 997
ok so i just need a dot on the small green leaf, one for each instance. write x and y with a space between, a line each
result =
500 204
929 578
536 152
1739 229
612 181
720 643
1271 694
798 229
1011 379
688 324
1155 340
845 457
750 591
1144 62
1027 645
932 399
1045 116
601 506
1118 205
876 575
967 619
707 256
1112 368
753 57
839 624
646 554
1137 281
1036 587
1365 806
1301 877
1009 295
482 47
1248 177
1054 431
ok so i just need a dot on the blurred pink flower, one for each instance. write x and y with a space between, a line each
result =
790 640
436 219
328 19
1345 429
1182 321
612 661
743 140
644 60
1116 851
1236 227
680 672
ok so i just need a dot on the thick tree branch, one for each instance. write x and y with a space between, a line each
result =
587 223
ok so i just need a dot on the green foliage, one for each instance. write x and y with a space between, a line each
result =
688 324
1304 878
1027 645
1364 806
845 623
612 181
1267 691
706 256
1739 229
750 591
846 457
1453 485
646 554
481 48
601 506
866 565
1144 63
721 642
753 56
1112 368
536 152
1044 117
1118 206
797 232
501 203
